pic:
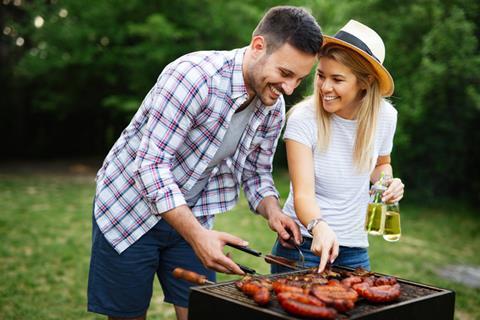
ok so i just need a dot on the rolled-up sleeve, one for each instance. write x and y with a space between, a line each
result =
172 105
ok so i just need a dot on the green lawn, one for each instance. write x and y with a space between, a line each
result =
45 225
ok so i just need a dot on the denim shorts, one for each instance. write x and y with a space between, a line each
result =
347 257
120 285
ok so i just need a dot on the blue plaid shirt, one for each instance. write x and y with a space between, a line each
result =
171 140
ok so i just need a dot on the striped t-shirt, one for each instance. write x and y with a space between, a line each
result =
341 192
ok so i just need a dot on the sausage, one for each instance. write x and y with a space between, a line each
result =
385 280
300 297
342 305
250 288
307 310
381 294
283 286
333 282
369 280
332 292
361 287
350 281
260 294
336 295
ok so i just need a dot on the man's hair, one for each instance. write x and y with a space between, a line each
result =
292 25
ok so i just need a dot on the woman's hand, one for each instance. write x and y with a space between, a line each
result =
394 192
324 244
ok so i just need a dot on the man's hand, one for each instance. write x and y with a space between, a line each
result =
207 244
208 247
279 222
286 228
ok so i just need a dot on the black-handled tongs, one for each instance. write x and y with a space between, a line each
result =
271 259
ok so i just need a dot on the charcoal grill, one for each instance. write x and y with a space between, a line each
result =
417 301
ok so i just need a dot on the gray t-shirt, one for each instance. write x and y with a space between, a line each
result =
227 148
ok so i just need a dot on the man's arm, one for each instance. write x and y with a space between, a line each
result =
270 209
207 244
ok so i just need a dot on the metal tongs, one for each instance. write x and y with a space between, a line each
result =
272 259
291 241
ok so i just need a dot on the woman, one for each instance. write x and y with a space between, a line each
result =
338 142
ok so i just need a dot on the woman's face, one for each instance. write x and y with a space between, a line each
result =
338 87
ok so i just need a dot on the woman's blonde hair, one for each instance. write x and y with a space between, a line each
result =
367 112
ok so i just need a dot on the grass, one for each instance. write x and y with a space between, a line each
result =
45 225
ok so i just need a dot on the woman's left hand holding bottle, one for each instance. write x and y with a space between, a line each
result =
395 190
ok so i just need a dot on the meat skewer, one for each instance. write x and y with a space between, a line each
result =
191 276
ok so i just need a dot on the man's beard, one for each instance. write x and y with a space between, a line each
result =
257 87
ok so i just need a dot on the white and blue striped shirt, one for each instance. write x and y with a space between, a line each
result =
341 192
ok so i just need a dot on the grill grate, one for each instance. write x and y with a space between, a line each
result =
413 294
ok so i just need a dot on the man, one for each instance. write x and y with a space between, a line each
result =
208 126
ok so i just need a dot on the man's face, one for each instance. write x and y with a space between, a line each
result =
280 72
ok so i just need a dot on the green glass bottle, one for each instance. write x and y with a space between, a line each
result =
392 231
375 217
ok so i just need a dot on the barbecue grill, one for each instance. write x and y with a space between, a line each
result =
225 301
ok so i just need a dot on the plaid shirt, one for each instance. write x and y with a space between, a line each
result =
170 141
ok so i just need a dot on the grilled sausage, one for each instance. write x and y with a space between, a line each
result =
307 310
381 294
336 295
260 294
385 281
350 281
361 287
325 293
282 286
300 297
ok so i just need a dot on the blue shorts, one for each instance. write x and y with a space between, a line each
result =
347 257
121 285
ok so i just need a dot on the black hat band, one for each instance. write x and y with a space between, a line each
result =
351 39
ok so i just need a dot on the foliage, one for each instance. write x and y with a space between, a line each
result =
75 82
433 55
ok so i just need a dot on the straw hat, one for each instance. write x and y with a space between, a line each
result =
368 44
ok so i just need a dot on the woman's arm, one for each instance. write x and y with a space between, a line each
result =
302 175
383 165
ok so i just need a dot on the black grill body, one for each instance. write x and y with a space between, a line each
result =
417 301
